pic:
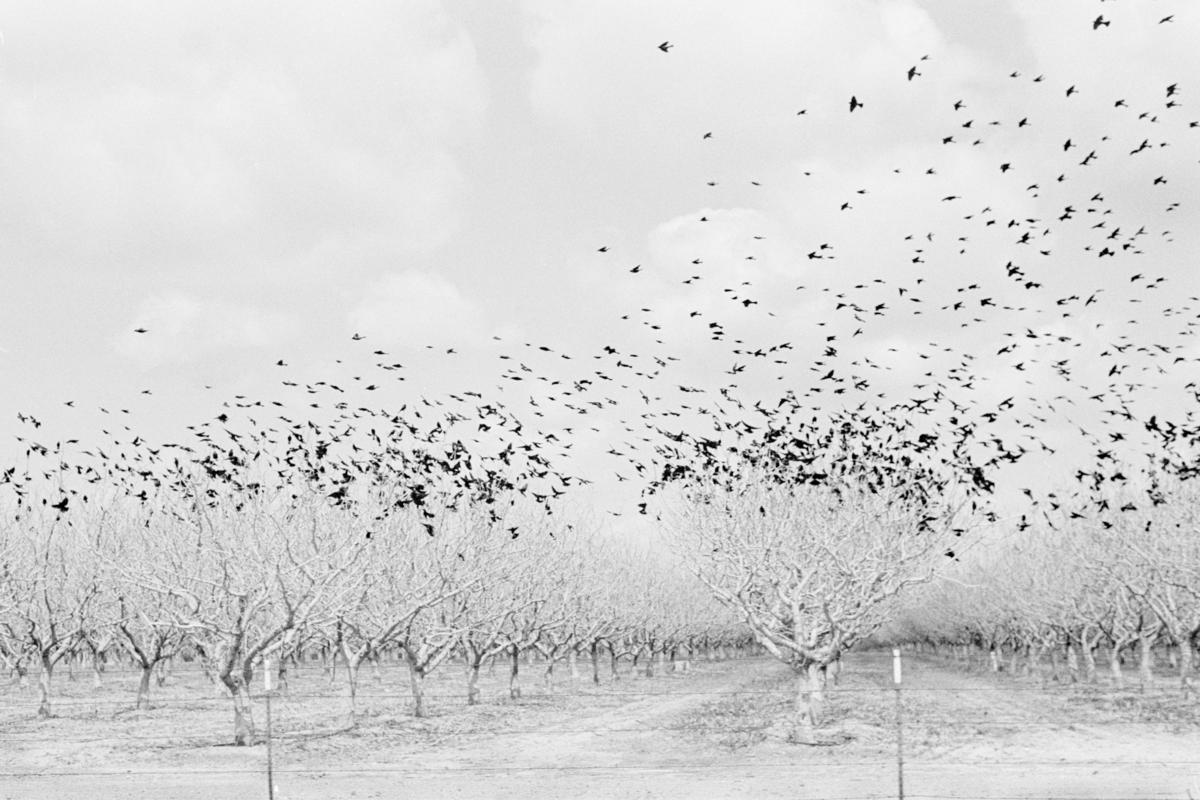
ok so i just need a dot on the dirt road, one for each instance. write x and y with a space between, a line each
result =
668 737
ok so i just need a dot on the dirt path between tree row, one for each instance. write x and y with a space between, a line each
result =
968 735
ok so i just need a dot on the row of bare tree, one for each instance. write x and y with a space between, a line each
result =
1060 600
262 576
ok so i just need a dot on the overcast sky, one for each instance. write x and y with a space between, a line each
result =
252 182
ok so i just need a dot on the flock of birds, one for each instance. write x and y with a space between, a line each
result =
1038 355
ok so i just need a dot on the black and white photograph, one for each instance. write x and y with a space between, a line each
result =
565 399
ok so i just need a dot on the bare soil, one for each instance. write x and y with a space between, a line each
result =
719 730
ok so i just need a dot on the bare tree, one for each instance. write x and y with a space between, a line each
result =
50 587
811 569
244 574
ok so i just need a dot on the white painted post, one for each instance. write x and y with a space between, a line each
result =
270 757
899 722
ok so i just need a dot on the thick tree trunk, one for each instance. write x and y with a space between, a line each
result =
573 663
514 673
329 663
163 672
810 699
97 669
416 680
1185 667
1088 650
682 661
44 683
1145 662
376 670
281 674
596 662
352 665
1114 667
1072 654
143 694
243 714
473 684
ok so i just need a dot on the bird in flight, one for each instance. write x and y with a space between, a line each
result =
854 104
665 46
140 330
1098 21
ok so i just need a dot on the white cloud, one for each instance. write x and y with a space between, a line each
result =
226 132
415 308
180 327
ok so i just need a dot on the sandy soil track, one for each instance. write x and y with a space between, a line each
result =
968 735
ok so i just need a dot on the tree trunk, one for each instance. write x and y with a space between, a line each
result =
573 663
549 674
514 673
1088 650
97 669
376 670
473 684
243 715
810 697
1072 652
329 660
163 672
1185 667
44 680
143 694
352 665
993 659
1055 672
281 673
612 653
416 680
1145 662
1114 667
1031 658
596 662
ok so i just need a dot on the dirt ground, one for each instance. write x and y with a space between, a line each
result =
717 731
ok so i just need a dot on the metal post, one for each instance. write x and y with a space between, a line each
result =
270 755
899 723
